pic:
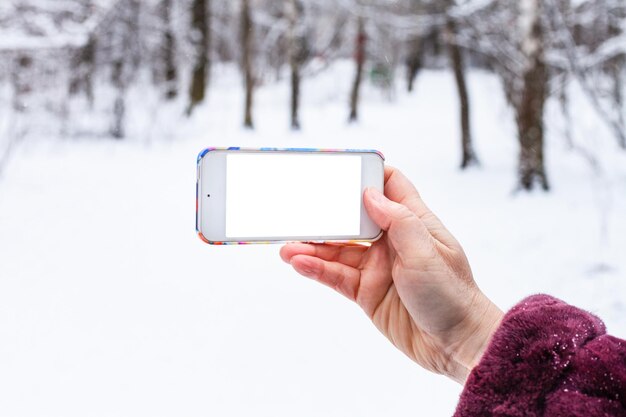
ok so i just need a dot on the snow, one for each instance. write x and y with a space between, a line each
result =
110 305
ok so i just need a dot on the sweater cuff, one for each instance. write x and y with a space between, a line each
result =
528 356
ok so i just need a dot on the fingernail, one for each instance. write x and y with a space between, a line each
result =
307 271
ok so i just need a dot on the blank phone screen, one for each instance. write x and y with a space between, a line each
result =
293 195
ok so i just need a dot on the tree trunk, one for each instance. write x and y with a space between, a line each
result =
168 52
469 157
413 62
125 60
616 71
119 105
359 58
296 56
200 39
20 78
295 97
90 71
530 107
132 40
83 70
246 41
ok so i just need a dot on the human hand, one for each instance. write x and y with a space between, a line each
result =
415 283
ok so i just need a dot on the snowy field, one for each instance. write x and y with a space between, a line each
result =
111 306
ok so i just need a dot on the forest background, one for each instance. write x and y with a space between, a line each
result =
510 117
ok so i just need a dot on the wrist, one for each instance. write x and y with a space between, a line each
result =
479 329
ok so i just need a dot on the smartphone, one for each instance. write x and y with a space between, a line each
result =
273 195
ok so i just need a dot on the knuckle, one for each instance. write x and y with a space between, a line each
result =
402 213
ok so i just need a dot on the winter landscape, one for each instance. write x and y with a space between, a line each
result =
111 306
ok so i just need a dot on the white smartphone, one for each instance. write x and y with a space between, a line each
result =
272 195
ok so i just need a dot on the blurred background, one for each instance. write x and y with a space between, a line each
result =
509 116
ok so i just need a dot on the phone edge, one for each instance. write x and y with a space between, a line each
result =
205 151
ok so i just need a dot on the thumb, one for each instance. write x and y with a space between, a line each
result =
405 231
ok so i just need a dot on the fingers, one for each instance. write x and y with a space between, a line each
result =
406 232
398 188
342 278
348 255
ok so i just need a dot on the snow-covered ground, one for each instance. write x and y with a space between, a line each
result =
111 306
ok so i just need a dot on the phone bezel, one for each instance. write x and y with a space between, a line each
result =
211 180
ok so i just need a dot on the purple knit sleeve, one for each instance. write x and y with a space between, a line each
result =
548 359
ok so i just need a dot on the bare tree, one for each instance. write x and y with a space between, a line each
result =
414 53
414 61
618 75
83 70
21 80
517 54
469 157
119 104
200 38
359 59
419 24
125 60
247 32
297 52
530 105
605 57
168 51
